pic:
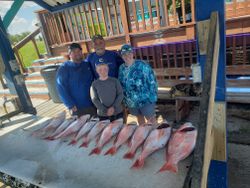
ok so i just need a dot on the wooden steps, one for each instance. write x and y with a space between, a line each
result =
34 81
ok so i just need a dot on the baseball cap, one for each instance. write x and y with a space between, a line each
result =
100 62
126 48
97 37
74 46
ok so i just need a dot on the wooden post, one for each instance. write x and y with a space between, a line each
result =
36 48
45 33
124 17
20 62
197 178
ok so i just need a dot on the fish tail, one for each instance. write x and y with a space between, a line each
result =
85 142
129 155
111 151
49 138
96 151
73 142
139 163
169 167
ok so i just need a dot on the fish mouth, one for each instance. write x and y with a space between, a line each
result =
188 129
163 126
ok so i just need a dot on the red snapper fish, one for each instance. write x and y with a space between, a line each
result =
61 128
138 138
94 132
111 130
54 123
156 140
180 146
124 135
73 127
84 130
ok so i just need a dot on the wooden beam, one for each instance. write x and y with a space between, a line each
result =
109 17
197 177
202 30
97 18
103 19
9 16
27 39
76 23
134 10
142 15
150 14
116 18
36 48
86 19
219 127
124 18
78 12
183 11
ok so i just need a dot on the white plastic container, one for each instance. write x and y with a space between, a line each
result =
196 73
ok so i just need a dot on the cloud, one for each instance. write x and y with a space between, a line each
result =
28 4
4 6
19 25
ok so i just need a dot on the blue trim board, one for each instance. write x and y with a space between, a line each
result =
203 12
59 7
43 4
68 5
217 175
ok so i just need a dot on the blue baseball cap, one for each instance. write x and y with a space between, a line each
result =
100 62
126 48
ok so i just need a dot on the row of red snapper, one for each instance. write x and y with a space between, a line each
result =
181 142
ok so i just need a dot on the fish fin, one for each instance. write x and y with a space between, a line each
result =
129 155
96 151
129 143
97 139
169 167
139 163
73 142
111 151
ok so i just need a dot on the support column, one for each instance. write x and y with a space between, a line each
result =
9 16
13 74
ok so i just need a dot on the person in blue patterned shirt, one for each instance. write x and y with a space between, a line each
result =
139 85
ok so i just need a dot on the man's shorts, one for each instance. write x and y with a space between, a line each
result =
148 110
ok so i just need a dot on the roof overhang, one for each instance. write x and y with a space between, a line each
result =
57 5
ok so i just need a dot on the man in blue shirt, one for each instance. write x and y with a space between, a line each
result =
101 55
74 79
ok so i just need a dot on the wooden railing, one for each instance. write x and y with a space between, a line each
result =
19 45
172 62
82 22
114 18
147 15
237 8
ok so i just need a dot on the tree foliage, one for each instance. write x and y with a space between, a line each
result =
18 37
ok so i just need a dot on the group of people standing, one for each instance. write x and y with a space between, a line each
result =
105 83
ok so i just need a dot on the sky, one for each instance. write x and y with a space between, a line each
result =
24 20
